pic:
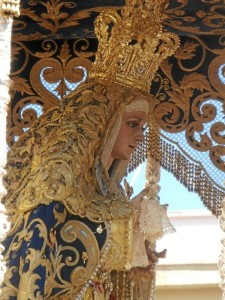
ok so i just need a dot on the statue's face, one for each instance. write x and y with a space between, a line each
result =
131 133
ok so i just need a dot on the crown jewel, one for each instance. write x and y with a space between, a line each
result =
132 44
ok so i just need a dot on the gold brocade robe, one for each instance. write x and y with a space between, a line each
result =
69 257
72 229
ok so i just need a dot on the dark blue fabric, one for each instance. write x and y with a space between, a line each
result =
32 233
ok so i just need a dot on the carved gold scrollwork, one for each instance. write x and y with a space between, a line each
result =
215 77
51 77
171 117
214 18
52 72
191 48
204 143
23 117
216 154
208 13
58 71
50 19
216 131
81 48
204 112
23 53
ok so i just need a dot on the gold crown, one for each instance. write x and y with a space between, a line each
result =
132 44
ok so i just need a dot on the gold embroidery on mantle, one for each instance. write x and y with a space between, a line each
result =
55 159
51 255
71 231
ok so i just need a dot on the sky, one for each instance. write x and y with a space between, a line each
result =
171 192
176 194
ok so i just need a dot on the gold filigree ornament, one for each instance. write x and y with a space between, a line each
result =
132 44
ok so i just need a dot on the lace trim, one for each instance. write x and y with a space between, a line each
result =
154 221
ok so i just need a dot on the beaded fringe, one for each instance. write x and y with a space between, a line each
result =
186 172
190 174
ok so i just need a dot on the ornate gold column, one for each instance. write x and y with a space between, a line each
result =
8 9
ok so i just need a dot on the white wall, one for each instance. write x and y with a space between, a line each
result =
190 269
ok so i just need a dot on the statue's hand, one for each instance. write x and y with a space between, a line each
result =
137 200
153 255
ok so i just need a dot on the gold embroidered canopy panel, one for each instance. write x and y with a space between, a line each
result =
53 45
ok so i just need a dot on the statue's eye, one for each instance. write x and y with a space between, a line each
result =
133 124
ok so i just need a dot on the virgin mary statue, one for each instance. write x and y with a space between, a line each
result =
74 233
